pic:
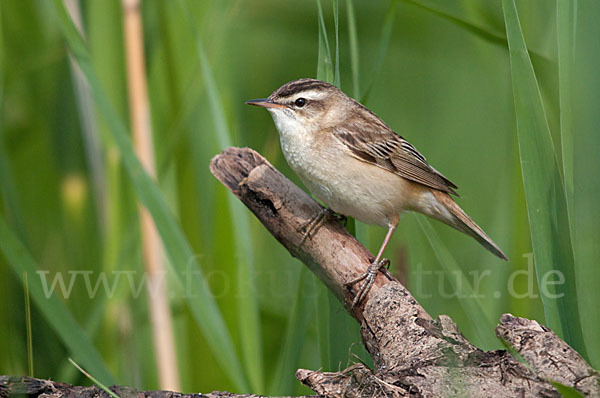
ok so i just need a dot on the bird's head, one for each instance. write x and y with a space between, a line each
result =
306 105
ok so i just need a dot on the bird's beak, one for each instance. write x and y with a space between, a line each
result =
265 103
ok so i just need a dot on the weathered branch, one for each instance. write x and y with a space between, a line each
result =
413 354
334 255
32 387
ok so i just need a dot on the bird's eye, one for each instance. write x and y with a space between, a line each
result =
300 102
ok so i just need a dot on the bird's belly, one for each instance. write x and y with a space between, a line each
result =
351 187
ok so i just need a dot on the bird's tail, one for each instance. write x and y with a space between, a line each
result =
463 223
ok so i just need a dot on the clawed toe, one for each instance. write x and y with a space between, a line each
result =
369 278
313 224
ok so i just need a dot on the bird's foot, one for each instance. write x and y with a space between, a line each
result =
369 278
312 225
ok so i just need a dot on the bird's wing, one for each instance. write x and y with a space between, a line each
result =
379 145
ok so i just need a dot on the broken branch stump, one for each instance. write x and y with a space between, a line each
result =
414 355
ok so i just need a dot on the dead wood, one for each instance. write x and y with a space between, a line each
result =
414 355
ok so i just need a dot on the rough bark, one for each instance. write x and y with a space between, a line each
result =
414 355
32 387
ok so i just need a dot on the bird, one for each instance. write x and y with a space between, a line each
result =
354 163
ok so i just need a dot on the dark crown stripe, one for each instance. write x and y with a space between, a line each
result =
298 86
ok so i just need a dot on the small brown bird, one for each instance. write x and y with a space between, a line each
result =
359 167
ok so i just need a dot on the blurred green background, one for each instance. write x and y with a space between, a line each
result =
439 72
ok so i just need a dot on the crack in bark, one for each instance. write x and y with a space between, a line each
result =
414 355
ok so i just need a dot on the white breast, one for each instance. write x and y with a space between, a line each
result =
345 184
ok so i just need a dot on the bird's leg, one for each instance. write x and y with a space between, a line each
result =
371 273
312 225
